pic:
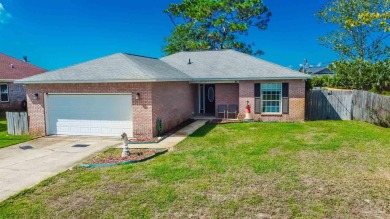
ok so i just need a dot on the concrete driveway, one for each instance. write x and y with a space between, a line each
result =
26 164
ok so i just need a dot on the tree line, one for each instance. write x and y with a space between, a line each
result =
362 39
360 36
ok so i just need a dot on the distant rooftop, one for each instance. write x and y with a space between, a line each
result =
14 69
318 71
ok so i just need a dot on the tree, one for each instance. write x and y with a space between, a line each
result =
215 24
369 18
376 76
366 41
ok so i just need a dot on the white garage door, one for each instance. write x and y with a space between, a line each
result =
98 115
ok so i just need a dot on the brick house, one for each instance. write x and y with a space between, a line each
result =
129 93
11 69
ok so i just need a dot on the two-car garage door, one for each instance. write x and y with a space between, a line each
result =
89 114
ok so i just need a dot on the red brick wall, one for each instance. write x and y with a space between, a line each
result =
226 94
296 102
173 103
142 108
16 94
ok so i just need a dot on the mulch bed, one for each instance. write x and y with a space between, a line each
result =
114 155
224 121
143 140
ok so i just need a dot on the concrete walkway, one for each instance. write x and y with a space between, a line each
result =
174 139
26 164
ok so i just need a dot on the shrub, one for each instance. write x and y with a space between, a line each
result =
357 74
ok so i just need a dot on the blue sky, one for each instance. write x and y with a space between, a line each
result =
55 34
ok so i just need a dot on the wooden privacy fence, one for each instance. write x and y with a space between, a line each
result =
346 105
322 105
368 106
17 123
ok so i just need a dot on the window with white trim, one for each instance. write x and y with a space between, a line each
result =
271 98
4 93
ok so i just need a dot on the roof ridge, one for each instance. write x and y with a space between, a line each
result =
156 59
194 51
131 54
316 67
189 76
208 50
132 62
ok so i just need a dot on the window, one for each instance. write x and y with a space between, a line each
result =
201 98
210 94
271 98
4 92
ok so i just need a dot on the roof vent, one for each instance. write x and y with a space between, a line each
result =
12 66
189 62
25 59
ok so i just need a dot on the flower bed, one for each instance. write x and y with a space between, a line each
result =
113 157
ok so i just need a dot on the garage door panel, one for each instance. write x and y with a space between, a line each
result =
95 130
64 129
98 115
85 129
106 131
74 130
127 130
116 130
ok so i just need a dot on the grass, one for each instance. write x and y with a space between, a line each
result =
324 169
8 140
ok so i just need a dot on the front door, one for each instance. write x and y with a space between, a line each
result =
209 99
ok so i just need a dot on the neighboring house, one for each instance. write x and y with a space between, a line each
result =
129 93
318 71
11 69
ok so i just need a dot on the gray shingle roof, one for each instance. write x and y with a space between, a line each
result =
229 65
205 65
119 67
319 70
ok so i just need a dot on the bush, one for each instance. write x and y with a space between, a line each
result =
357 74
321 81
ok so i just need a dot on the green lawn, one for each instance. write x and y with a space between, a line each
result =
8 140
325 169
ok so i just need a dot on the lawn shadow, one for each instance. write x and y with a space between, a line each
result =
328 105
201 132
3 127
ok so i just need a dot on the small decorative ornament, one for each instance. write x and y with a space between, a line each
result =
125 140
248 114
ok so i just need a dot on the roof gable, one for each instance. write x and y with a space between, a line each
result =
13 69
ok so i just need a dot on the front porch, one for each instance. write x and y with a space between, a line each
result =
217 100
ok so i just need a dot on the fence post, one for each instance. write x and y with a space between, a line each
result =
352 103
